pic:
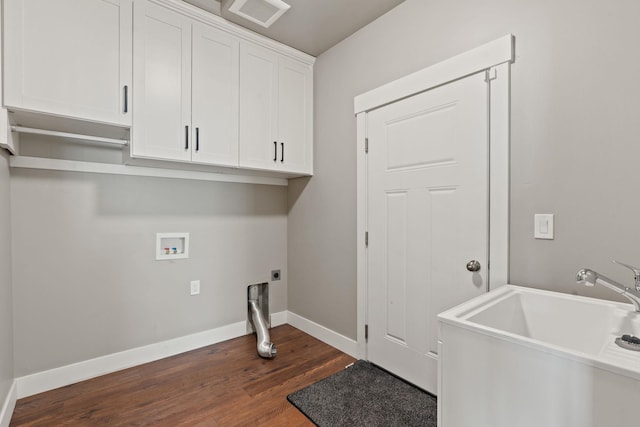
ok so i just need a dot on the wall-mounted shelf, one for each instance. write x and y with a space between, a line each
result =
91 138
7 139
115 169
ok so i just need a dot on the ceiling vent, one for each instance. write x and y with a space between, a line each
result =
262 12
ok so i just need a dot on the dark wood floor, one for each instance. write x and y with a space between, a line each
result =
224 384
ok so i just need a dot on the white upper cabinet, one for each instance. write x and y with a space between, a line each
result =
215 80
276 115
6 137
180 84
69 58
295 116
162 83
258 106
186 89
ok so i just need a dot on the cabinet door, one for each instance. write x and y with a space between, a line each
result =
6 140
258 108
215 80
295 117
69 57
162 79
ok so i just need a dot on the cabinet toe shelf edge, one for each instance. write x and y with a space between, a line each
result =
118 169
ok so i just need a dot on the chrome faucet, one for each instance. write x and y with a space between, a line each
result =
590 278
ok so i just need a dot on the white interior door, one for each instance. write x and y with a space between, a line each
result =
427 218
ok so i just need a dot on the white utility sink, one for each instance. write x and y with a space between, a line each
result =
518 356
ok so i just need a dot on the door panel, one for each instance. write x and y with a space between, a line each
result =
162 91
68 57
435 126
427 217
215 85
258 107
397 240
294 116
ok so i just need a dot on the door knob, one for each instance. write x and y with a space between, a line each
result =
473 265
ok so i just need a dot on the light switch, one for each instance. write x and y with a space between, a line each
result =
543 226
195 287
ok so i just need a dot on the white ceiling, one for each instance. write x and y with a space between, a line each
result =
313 26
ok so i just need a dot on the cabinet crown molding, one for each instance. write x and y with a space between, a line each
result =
237 30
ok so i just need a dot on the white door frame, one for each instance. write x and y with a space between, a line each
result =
494 57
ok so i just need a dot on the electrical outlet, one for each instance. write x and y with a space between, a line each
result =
195 287
275 275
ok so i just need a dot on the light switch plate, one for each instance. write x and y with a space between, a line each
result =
195 287
543 226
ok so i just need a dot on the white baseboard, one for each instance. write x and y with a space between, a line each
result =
65 375
39 382
9 404
326 335
279 318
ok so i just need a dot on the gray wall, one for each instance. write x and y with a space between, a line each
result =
575 147
6 318
86 282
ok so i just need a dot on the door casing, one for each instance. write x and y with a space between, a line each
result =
496 58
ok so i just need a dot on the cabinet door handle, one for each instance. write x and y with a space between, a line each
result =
282 152
197 139
186 137
126 98
275 151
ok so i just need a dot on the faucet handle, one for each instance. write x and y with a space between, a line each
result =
636 271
